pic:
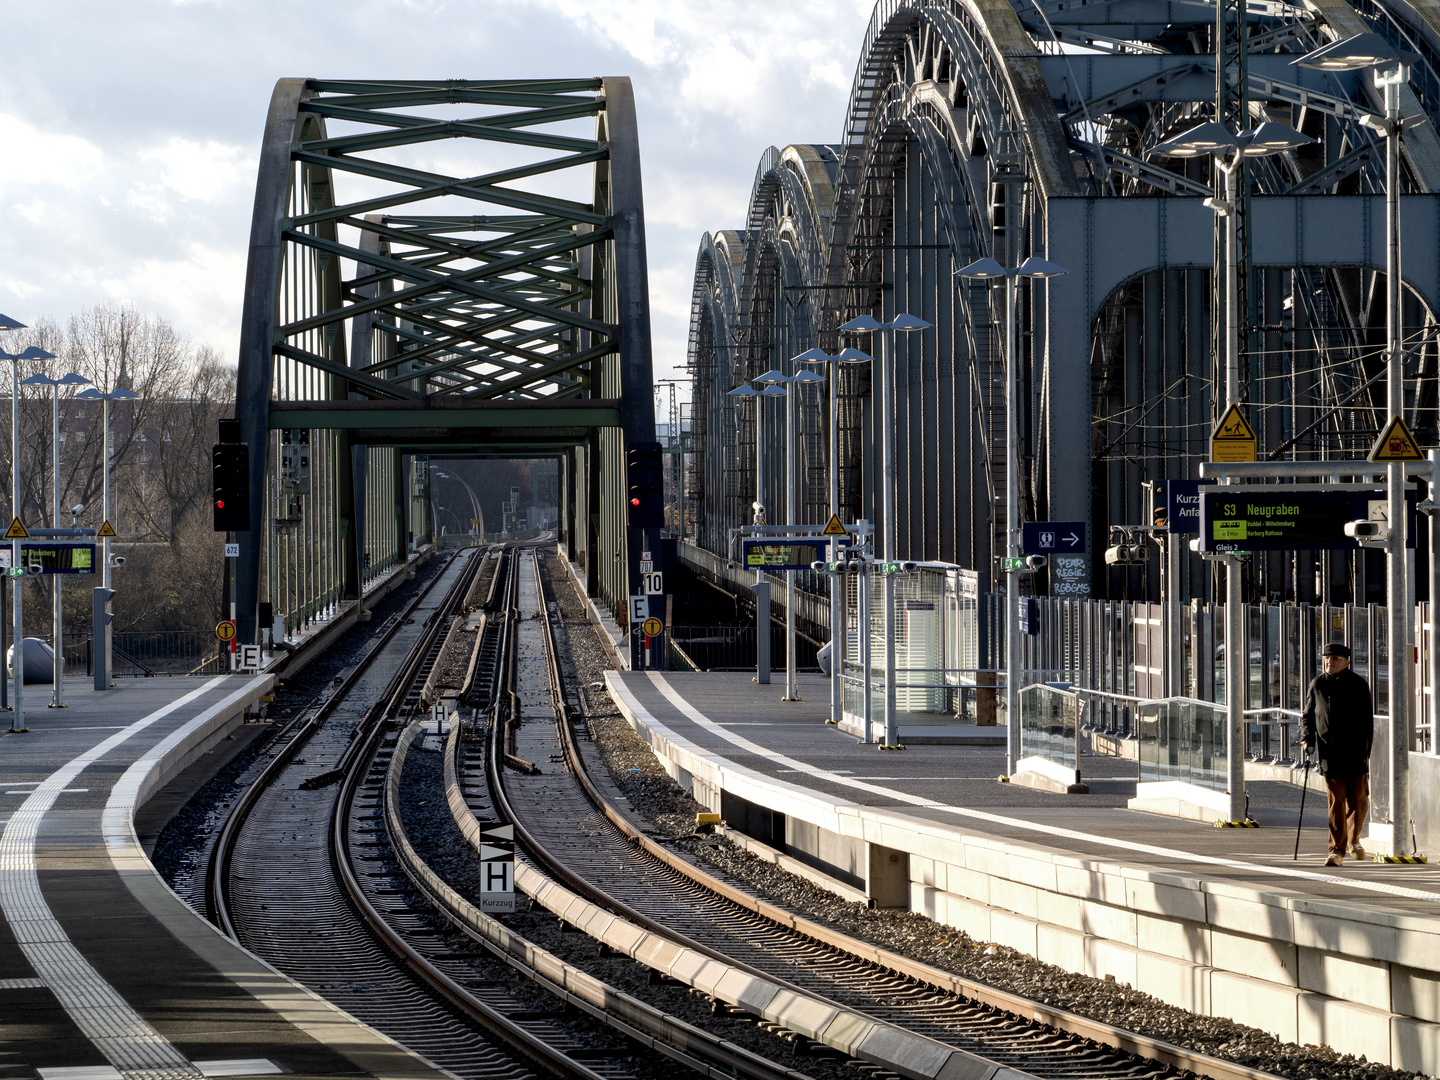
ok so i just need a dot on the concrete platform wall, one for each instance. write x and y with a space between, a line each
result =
1359 976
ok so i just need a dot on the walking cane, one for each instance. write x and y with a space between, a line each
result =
1303 789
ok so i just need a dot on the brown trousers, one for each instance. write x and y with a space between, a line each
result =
1349 804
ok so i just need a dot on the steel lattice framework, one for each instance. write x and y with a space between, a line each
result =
449 267
986 127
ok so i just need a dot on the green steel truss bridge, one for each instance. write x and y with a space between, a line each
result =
451 268
1011 128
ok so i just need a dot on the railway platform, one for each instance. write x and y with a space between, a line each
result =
1218 921
104 972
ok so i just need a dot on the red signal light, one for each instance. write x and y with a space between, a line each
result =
634 502
219 504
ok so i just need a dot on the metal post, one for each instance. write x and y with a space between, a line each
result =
57 696
1397 608
17 719
762 587
1432 655
792 690
1012 535
1174 654
887 484
866 635
837 597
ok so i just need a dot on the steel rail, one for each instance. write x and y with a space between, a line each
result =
1024 1009
356 759
491 1019
216 900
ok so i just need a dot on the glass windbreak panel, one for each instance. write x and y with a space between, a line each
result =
1048 720
1254 659
1218 651
1380 660
1273 616
1182 739
1360 642
1290 642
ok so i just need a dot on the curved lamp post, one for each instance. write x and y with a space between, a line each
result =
988 269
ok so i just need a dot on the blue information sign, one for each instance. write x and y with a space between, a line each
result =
1052 537
1179 502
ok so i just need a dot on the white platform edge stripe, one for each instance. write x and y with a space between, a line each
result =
97 1010
701 720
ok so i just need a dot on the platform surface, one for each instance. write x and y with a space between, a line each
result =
729 715
104 972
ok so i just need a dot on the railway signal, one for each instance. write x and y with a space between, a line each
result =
230 471
645 485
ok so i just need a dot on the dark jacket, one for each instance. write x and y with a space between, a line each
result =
1340 723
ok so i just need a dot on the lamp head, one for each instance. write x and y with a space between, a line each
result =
984 269
1271 138
816 355
773 391
807 376
1211 137
907 322
861 324
1351 54
34 352
774 375
854 356
743 390
1036 267
7 323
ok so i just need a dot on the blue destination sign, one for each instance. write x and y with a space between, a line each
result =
1237 519
1180 500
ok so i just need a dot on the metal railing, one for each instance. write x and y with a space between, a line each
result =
144 653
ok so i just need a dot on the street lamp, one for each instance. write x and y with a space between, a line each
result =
761 587
17 718
57 697
479 521
1370 50
120 393
988 269
32 352
779 381
1230 151
868 324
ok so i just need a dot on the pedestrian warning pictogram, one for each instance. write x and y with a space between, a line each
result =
1396 443
16 530
834 527
1233 438
106 529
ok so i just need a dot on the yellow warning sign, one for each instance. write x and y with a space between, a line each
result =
834 527
1233 438
16 531
225 630
1396 443
653 627
106 529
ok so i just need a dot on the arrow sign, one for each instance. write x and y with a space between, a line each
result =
1052 537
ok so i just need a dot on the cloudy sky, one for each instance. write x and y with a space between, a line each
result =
129 132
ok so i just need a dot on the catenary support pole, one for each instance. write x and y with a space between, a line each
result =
17 637
57 696
887 485
792 689
837 583
1012 533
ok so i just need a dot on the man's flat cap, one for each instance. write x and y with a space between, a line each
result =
1337 649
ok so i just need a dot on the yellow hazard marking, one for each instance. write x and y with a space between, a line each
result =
106 529
1233 425
1396 443
834 527
1248 823
1401 859
16 531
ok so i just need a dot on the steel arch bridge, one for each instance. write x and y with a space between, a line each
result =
1008 129
449 268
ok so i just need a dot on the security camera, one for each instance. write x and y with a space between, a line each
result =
117 560
34 568
1367 530
1117 555
909 567
818 567
77 509
1036 562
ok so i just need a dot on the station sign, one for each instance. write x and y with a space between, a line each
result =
1050 537
1259 519
787 554
497 867
59 558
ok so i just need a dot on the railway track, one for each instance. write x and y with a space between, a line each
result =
575 834
304 876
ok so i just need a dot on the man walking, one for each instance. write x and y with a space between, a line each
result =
1339 725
